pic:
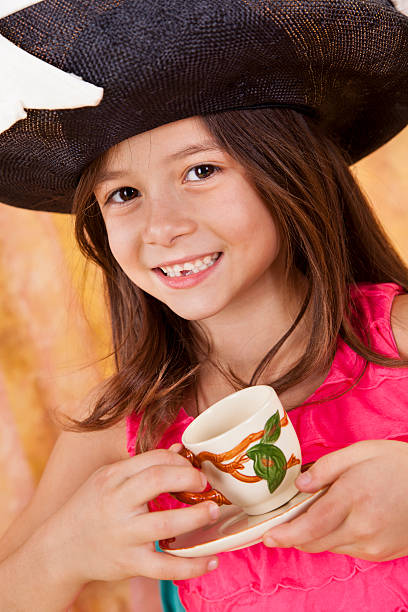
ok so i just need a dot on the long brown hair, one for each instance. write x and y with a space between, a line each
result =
331 236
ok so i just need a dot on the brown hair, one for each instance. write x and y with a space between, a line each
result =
330 233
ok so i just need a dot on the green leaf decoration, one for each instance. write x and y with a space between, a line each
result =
269 464
272 429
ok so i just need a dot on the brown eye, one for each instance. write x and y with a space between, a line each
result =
124 194
203 171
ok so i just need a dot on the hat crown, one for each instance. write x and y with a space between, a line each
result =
345 62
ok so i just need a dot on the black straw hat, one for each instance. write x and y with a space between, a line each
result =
343 61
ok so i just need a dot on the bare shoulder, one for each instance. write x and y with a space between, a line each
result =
74 458
76 455
90 449
399 323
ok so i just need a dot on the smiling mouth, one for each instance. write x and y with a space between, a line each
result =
188 268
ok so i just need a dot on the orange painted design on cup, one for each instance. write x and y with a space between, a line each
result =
292 461
188 497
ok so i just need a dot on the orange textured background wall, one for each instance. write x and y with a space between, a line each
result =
53 329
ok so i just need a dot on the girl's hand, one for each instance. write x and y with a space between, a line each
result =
105 532
363 514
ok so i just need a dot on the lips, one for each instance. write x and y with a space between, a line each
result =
188 267
186 259
190 278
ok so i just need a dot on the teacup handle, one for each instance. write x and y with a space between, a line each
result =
189 497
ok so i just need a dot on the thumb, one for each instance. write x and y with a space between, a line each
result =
328 468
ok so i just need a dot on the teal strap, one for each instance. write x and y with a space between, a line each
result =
169 594
170 597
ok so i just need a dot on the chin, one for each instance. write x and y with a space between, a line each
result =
195 314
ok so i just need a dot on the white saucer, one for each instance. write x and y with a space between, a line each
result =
235 529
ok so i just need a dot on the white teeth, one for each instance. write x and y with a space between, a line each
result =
191 267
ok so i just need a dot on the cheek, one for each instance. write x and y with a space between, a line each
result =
268 235
123 243
251 224
265 245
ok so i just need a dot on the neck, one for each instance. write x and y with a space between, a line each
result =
242 334
242 341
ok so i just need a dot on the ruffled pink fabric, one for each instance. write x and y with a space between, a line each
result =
376 407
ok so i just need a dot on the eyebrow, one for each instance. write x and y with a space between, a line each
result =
196 148
184 152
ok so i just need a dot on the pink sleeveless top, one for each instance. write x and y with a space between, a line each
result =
280 579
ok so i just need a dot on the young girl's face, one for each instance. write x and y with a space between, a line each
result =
184 222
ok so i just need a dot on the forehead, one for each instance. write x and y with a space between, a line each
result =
159 143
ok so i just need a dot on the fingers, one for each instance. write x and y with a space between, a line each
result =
163 566
176 448
334 542
170 523
140 462
156 479
120 471
331 466
319 522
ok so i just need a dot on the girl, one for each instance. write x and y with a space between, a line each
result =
237 249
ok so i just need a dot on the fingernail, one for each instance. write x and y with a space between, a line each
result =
270 542
213 564
304 479
214 510
176 447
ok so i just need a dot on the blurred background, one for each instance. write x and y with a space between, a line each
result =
54 335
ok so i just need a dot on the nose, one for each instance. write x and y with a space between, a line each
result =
166 221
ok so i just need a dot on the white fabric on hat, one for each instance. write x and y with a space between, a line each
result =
402 5
7 7
28 82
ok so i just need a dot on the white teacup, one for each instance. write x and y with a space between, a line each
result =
248 449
